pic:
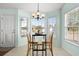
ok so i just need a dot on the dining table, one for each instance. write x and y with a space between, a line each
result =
43 44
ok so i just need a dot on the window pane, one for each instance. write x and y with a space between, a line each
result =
72 25
39 25
23 26
51 24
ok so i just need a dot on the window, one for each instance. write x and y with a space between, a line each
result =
39 25
52 26
72 26
23 26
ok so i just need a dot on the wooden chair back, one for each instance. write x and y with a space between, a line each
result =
50 37
29 38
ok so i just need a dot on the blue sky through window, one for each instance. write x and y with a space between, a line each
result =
38 22
52 20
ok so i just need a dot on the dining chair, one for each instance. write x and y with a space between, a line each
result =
49 42
30 42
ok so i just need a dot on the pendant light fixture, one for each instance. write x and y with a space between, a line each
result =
37 15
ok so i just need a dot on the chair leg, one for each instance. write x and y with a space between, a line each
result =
51 50
45 50
32 50
28 50
32 53
46 53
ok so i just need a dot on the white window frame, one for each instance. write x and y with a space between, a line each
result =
75 19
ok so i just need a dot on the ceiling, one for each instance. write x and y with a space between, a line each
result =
30 7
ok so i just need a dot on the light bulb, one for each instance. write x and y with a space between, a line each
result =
33 14
43 15
38 13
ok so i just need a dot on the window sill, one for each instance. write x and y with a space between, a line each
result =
72 42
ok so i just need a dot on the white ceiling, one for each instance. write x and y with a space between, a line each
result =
30 7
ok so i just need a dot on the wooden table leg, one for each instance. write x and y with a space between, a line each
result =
37 49
45 53
32 50
45 47
42 49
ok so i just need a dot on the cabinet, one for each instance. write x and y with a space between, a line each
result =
7 30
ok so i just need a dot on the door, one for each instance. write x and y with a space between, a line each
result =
7 30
